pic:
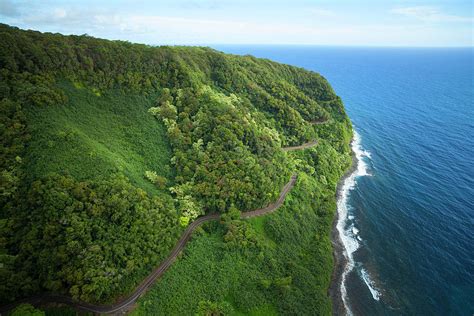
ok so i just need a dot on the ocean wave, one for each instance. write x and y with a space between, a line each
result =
370 284
360 153
348 233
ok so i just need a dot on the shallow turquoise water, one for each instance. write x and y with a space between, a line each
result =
412 216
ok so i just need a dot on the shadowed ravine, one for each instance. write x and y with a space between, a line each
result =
125 303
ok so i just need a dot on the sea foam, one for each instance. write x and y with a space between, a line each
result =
370 284
348 233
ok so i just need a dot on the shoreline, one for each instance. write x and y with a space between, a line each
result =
340 260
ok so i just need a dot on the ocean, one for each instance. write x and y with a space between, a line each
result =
407 212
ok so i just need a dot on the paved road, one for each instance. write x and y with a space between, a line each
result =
319 122
123 305
302 146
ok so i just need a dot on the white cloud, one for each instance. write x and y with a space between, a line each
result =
330 28
194 30
156 29
429 14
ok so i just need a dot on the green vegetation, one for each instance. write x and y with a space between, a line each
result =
89 136
26 310
283 260
109 149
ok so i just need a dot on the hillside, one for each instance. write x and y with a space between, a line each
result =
111 149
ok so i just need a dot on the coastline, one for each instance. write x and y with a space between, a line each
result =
340 260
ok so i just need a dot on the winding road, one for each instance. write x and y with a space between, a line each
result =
302 146
319 122
126 303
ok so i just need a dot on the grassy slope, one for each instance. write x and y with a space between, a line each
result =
96 135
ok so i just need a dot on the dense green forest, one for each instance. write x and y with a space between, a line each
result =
110 149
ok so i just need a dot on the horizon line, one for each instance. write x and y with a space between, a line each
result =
309 45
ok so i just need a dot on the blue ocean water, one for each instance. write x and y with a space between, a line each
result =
410 211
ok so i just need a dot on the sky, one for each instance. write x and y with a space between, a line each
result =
297 22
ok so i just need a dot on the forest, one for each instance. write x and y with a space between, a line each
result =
111 149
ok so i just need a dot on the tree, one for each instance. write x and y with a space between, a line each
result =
26 310
154 178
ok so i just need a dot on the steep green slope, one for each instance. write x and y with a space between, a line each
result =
94 135
110 149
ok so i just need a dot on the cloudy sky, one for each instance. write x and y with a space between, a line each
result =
324 22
